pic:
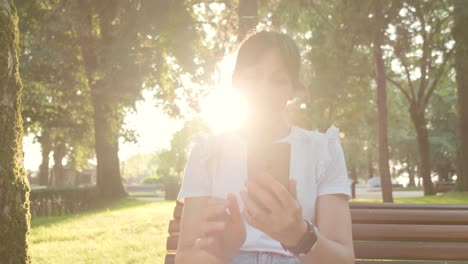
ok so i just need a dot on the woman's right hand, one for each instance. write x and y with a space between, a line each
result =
223 233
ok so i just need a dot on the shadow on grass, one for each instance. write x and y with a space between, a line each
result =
122 204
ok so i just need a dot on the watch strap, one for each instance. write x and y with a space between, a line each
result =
306 243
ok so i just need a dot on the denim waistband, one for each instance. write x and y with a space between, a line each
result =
262 257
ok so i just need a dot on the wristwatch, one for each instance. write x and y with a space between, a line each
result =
307 242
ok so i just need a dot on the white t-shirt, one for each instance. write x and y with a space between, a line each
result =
217 166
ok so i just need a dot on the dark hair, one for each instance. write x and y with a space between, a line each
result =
255 45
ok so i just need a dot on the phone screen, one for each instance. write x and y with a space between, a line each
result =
272 158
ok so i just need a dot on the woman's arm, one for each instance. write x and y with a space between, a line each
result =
335 240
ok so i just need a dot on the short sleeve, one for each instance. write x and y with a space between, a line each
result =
333 179
196 180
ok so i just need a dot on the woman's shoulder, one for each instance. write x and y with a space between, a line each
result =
209 139
209 144
332 134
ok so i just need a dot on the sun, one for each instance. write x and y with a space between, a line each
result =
224 108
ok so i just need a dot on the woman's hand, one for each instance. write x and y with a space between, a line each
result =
283 221
223 233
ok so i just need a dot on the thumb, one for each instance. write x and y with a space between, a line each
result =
292 188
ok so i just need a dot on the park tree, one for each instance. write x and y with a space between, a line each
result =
119 48
126 46
421 55
57 105
171 162
14 188
460 34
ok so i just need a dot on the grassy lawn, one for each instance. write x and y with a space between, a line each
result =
448 198
128 231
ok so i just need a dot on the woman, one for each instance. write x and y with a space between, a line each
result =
228 217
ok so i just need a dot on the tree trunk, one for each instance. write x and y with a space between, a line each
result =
107 121
422 137
247 13
14 187
59 153
411 172
460 34
370 164
353 175
44 167
106 132
384 168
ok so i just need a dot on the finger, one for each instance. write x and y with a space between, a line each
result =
265 197
256 214
203 242
266 181
280 192
210 228
215 212
234 209
292 188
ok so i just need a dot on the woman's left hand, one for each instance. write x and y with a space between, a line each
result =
284 221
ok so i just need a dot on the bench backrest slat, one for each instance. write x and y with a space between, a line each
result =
401 216
411 250
426 233
358 205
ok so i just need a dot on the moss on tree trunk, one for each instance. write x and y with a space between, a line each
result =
14 188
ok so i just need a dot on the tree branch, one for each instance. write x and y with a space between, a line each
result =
312 7
397 85
440 73
425 52
408 77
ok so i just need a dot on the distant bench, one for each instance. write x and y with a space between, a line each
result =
392 233
442 186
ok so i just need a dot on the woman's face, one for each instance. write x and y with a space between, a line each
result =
266 86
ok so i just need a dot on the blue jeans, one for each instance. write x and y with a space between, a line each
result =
245 257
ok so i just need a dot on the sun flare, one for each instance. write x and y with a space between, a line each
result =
223 110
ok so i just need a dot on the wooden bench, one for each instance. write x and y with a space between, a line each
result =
392 233
442 186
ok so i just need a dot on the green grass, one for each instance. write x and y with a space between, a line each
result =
128 231
448 198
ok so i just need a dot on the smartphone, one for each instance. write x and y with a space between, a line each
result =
272 158
277 159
